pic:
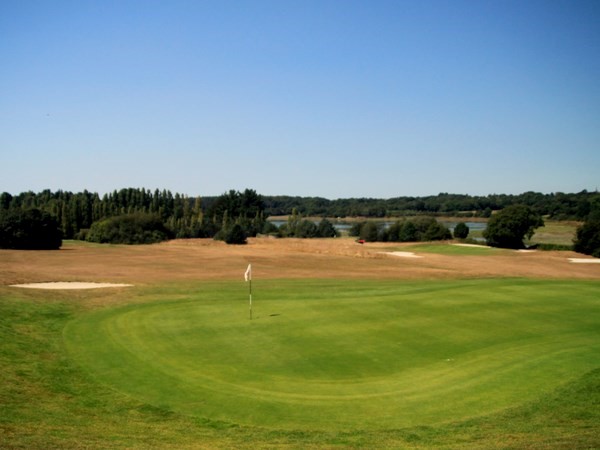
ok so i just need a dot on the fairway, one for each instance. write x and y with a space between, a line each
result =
338 355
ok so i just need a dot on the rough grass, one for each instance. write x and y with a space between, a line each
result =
556 233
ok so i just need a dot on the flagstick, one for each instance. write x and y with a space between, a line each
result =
250 294
248 278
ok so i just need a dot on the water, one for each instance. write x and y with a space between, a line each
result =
473 226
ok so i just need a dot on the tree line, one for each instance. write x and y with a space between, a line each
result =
405 230
203 216
42 220
558 206
108 218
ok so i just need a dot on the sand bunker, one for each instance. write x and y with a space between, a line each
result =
402 254
585 260
69 285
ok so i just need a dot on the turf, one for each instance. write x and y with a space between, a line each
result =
52 397
343 356
454 250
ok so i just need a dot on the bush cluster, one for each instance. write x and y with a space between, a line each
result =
414 230
29 229
138 228
232 234
298 227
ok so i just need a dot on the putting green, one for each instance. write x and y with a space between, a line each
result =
337 355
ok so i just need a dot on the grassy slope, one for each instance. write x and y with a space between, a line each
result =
556 232
453 250
72 409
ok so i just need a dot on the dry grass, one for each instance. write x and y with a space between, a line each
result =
206 259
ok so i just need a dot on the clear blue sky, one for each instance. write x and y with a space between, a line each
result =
314 98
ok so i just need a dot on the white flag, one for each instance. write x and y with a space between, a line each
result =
248 274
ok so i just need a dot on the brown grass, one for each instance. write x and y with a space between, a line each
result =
206 259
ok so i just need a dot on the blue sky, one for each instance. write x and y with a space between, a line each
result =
323 98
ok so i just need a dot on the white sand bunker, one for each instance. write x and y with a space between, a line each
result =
585 260
402 254
69 285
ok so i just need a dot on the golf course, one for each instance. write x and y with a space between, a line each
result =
347 345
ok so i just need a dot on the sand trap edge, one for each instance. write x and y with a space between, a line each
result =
402 254
69 285
585 260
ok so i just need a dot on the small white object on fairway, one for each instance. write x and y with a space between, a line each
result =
403 254
585 260
69 285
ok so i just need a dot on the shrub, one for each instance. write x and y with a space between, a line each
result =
138 228
269 228
408 232
305 229
235 235
415 230
436 232
461 230
393 232
587 238
354 230
326 229
369 232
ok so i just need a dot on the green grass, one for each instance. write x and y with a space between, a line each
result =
453 250
476 363
553 232
334 355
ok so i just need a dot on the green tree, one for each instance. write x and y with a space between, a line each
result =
269 228
393 232
369 232
293 223
326 229
29 229
235 235
510 226
355 228
137 228
587 238
5 200
245 208
461 230
306 229
408 232
436 232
